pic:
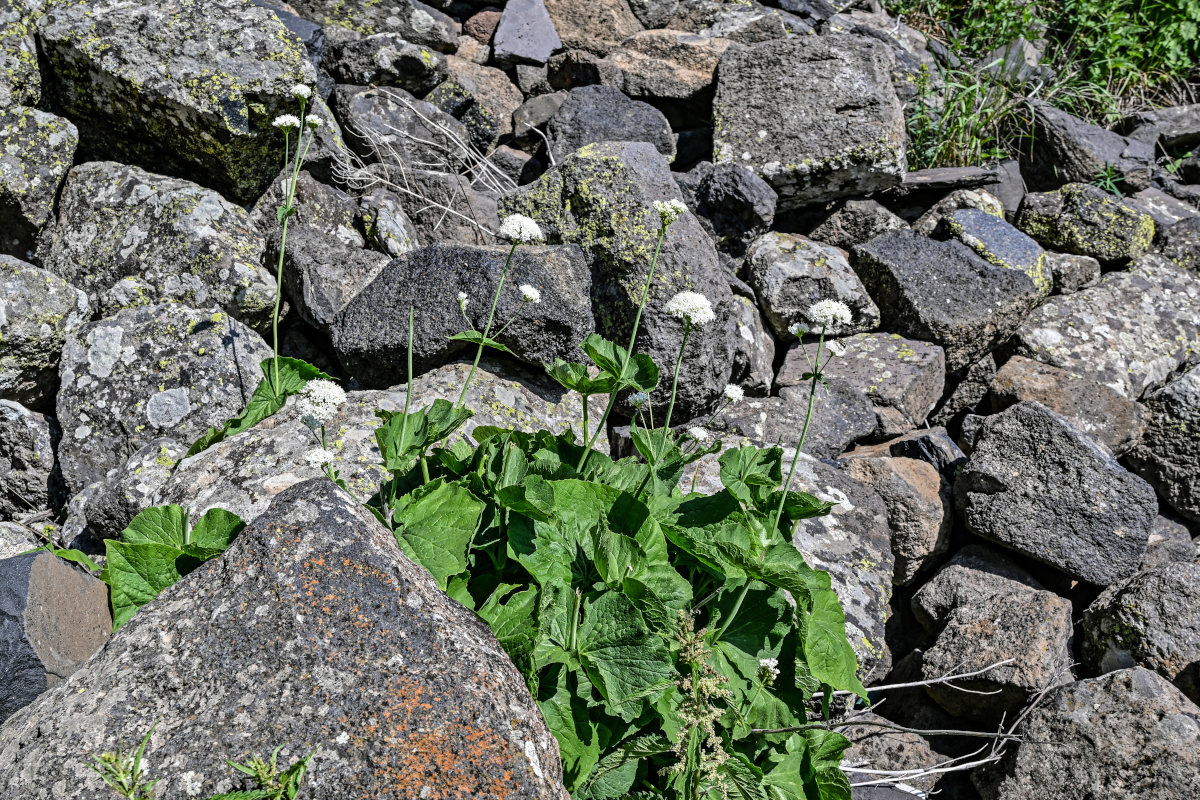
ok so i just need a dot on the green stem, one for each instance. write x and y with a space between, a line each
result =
488 328
687 328
586 398
733 612
289 199
812 394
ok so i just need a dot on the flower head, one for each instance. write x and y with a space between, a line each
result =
699 434
829 312
462 300
669 210
638 399
768 669
286 121
733 394
837 348
318 457
319 402
301 92
520 228
313 121
530 294
797 329
691 307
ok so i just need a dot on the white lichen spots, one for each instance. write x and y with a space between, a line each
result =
167 409
191 783
343 738
104 349
82 432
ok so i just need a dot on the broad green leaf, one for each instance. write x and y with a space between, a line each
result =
785 774
744 779
624 660
533 497
444 419
606 355
401 438
475 337
615 772
513 621
576 378
71 554
828 653
136 574
641 373
435 525
216 530
571 722
746 471
824 755
159 525
800 505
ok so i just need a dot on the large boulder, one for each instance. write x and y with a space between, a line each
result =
150 371
816 116
29 484
604 114
1169 454
344 646
36 150
390 125
974 574
673 70
525 34
387 59
412 19
20 78
1031 472
594 25
189 88
322 273
1085 220
1071 150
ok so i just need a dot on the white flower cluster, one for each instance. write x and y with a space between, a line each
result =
318 457
826 313
797 329
699 434
638 399
691 307
769 669
462 300
733 394
286 121
837 348
521 229
529 294
301 92
313 121
669 210
319 402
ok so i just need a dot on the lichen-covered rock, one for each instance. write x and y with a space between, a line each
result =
387 227
328 615
149 371
20 78
1001 244
1151 621
525 34
1031 472
753 348
593 114
1085 220
790 273
388 59
1181 244
731 202
1131 331
481 97
36 150
1169 453
390 125
594 25
601 198
28 481
170 238
16 539
974 574
816 116
128 489
977 199
942 292
856 222
1072 272
412 19
189 88
1128 734
903 378
38 311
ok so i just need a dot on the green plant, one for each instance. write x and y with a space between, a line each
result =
122 771
1109 179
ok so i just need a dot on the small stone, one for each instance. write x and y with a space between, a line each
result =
387 228
1170 543
482 24
1181 244
593 114
841 416
1085 220
525 34
1071 272
731 202
1169 453
572 69
966 389
974 574
1001 244
36 150
1165 210
856 222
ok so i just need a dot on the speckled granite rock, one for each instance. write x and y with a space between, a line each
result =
1129 734
878 748
1072 272
147 371
188 88
28 483
1169 453
1088 221
36 150
412 19
1001 244
974 574
1131 331
128 237
38 311
418 698
20 79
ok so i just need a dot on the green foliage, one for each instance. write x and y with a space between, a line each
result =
1109 179
122 771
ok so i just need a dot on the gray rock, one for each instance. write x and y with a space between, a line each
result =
975 574
16 539
653 13
324 207
594 25
730 201
575 68
1173 127
1070 150
28 481
20 78
1072 272
1131 331
790 273
943 293
880 748
533 114
415 21
447 208
931 445
36 150
322 274
601 198
593 114
145 372
1083 219
1128 734
673 70
1032 472
143 85
856 222
1165 210
978 199
1093 408
965 390
1151 621
1169 453
1000 244
1181 244
378 645
53 617
482 98
753 348
1170 543
1009 187
816 116
120 227
525 34
903 378
38 311
370 334
748 23
129 489
386 226
390 125
387 59
949 178
1033 628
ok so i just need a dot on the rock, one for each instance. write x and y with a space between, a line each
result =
672 70
128 237
754 348
525 34
1174 127
38 311
20 78
903 378
975 574
1000 244
147 371
387 59
378 645
1009 187
319 205
878 748
472 216
469 49
1129 734
928 223
1031 471
574 68
385 225
601 198
1031 627
931 445
1070 150
1072 273
392 126
142 84
593 114
1093 408
1181 244
856 222
535 113
29 482
16 539
730 201
965 390
950 178
1131 331
1169 453
1151 621
654 13
36 150
482 25
1165 210
1083 219
749 23
920 513
834 121
594 25
129 489
480 97
413 20
53 618
789 273
1170 543
941 292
